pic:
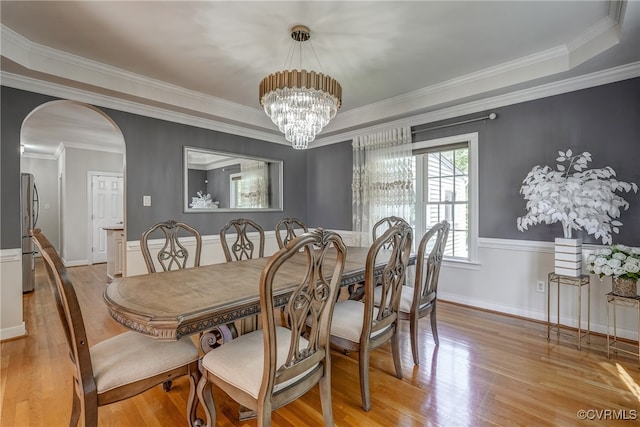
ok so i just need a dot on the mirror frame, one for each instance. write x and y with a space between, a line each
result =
185 177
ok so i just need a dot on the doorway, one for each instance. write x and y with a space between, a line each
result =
63 141
106 196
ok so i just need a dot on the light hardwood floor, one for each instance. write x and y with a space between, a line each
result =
488 370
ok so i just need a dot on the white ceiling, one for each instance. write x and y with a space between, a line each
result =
202 61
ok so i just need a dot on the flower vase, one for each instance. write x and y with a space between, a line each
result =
625 287
568 257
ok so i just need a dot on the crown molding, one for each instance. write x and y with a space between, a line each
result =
497 77
65 92
94 147
550 89
586 81
61 64
44 155
601 36
41 156
195 109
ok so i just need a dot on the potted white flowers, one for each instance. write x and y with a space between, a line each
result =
622 263
577 197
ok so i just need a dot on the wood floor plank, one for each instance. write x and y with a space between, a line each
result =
489 370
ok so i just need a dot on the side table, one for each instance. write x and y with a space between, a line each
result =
579 282
617 300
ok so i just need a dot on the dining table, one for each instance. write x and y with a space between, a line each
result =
173 304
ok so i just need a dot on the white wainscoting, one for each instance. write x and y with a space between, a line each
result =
11 322
211 250
503 280
505 277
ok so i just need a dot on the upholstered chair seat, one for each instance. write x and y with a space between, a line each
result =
248 351
130 357
348 317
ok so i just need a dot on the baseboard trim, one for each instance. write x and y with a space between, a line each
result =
534 316
13 332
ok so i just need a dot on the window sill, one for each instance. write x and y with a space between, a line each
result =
461 264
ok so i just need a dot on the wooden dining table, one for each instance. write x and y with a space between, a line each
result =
173 304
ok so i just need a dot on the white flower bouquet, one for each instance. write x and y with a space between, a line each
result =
616 261
585 199
202 201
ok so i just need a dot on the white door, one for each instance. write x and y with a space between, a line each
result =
106 210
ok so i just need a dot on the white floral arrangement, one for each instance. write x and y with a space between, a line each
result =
202 201
616 261
585 199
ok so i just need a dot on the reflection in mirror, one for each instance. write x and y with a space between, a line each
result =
216 181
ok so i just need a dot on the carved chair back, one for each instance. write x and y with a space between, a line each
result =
385 224
428 266
247 244
173 254
382 313
308 311
420 300
363 327
286 230
287 361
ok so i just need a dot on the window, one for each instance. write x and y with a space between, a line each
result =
446 189
250 187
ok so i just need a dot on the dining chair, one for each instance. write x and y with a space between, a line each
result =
419 299
286 230
119 367
173 254
356 290
270 367
386 223
243 247
360 325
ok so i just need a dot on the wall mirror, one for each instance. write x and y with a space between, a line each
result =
215 181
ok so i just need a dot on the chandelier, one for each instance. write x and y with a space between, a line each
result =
300 103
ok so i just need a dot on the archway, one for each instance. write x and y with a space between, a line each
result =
62 144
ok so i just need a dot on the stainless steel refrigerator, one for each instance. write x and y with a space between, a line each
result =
29 214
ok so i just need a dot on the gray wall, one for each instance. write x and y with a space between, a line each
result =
317 182
196 183
603 120
15 105
329 176
154 167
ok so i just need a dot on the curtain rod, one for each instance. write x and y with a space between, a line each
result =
491 116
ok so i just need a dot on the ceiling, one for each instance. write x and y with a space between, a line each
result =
201 62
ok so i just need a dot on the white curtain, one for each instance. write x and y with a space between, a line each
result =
383 180
253 190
